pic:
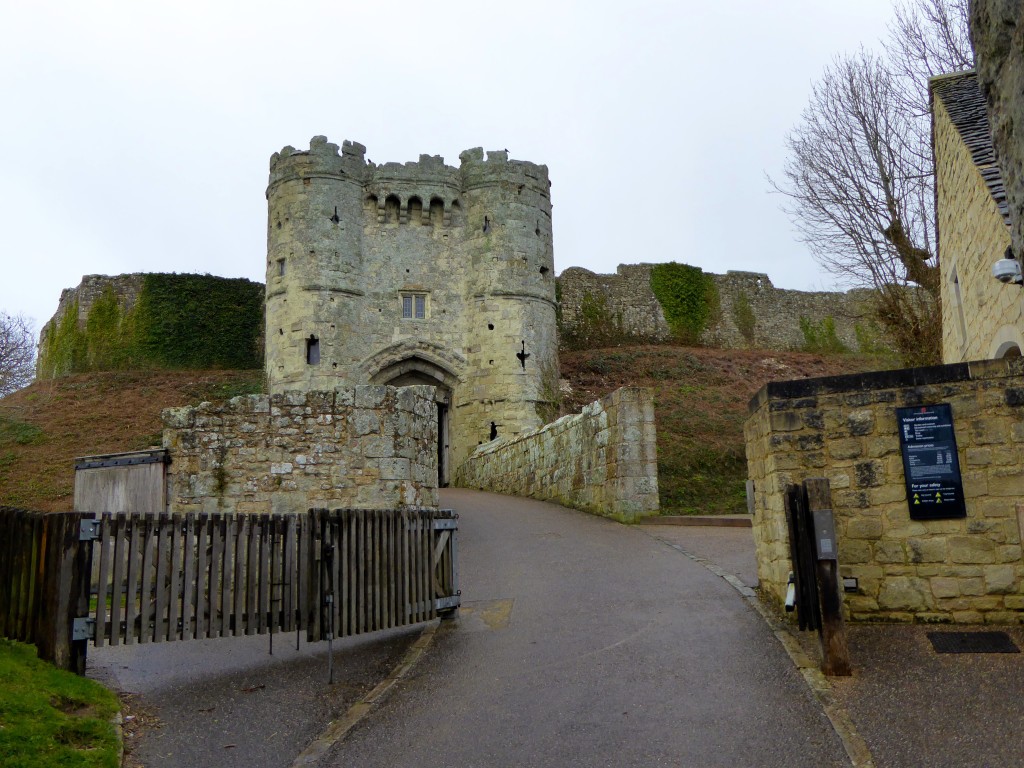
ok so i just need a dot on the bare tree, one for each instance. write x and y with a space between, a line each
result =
17 353
859 175
928 38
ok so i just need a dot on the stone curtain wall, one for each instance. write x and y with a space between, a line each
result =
365 447
602 460
979 314
628 300
844 428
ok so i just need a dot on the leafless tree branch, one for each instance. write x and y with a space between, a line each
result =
17 353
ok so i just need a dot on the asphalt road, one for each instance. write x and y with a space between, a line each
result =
228 703
582 642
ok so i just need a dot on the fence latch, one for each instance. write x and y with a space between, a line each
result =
88 530
83 628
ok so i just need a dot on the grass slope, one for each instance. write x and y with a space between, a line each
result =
49 717
46 425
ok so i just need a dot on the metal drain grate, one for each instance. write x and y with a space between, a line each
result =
972 642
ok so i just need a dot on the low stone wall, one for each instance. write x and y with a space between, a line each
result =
844 428
601 460
365 447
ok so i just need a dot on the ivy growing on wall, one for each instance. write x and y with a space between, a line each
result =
688 297
200 321
743 316
821 336
178 321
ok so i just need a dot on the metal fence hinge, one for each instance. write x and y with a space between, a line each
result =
83 628
88 530
443 603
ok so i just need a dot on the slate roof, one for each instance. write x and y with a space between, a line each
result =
962 97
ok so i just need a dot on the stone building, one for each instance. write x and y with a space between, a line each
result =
415 273
982 318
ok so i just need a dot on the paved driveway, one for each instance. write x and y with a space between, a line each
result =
582 642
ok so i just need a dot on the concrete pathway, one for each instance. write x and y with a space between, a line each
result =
582 642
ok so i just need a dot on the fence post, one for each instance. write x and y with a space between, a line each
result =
834 651
66 574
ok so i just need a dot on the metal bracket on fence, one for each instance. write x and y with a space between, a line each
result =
83 628
442 603
88 530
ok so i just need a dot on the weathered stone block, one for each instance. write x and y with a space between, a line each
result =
889 552
864 528
1001 579
927 550
904 593
971 549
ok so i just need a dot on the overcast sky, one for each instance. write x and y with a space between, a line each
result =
137 134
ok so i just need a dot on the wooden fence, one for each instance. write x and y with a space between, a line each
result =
158 578
44 582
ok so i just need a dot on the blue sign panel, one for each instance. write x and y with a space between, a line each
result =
931 467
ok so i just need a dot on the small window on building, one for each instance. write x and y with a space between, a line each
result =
312 350
280 267
958 301
414 306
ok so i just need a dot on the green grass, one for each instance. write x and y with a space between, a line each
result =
14 432
49 717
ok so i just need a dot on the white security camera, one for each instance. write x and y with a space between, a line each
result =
1007 271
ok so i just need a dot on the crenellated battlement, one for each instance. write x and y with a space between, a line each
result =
496 168
427 176
323 158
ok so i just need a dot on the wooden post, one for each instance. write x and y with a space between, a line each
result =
834 651
67 565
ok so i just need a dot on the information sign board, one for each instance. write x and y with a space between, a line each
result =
931 468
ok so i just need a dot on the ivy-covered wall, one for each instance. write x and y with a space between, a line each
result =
154 321
688 297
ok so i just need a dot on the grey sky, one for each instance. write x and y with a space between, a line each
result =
137 135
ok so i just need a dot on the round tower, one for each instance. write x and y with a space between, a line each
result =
315 279
511 325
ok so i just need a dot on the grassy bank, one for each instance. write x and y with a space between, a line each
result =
49 717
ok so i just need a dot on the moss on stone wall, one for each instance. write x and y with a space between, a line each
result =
743 316
688 297
596 325
178 321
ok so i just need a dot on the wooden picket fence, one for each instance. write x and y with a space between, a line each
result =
140 578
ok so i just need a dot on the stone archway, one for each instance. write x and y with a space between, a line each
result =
1008 341
413 371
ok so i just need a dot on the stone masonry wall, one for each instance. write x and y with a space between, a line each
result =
979 314
365 447
844 428
629 300
601 460
126 287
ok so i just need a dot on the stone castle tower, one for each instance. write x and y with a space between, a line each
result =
415 273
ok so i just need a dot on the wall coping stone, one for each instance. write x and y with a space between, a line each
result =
899 378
